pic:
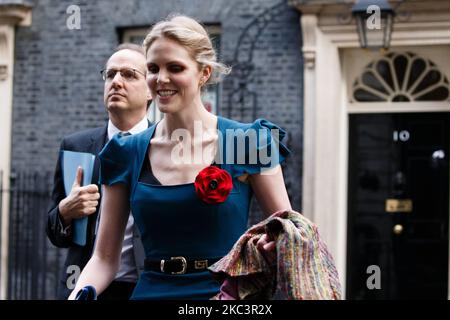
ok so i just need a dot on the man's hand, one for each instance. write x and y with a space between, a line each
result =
81 202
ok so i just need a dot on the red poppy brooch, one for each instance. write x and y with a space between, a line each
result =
213 185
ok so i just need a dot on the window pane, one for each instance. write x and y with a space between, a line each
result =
418 79
365 96
400 64
371 81
438 94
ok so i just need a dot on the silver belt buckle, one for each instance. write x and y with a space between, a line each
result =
183 263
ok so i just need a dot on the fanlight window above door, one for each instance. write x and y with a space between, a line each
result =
401 77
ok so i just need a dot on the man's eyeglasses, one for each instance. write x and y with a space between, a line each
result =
127 74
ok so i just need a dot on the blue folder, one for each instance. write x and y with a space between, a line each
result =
70 161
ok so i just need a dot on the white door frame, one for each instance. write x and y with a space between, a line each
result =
327 31
10 16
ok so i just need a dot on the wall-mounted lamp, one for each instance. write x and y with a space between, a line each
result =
374 19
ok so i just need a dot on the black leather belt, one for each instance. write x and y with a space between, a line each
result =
178 265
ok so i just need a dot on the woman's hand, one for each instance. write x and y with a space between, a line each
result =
272 196
268 249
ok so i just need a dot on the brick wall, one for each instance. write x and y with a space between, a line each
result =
58 89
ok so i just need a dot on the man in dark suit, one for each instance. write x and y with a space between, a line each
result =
126 97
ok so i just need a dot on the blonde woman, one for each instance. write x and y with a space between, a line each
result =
188 179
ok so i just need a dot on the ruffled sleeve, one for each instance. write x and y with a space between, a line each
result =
115 161
258 147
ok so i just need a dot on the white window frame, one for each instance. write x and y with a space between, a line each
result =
355 60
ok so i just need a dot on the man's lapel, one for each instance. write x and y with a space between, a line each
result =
98 141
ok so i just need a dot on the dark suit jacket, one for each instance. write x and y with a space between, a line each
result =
91 141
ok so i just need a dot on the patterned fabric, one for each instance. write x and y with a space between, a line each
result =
304 269
174 221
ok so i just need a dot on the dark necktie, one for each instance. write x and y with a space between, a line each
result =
124 134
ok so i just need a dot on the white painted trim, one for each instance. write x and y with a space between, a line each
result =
15 14
324 161
128 34
309 26
10 16
326 110
6 92
378 107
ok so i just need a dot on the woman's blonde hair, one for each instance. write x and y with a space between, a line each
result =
193 36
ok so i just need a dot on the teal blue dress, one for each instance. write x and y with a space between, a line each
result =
174 221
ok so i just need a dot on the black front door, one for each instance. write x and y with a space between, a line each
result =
398 206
